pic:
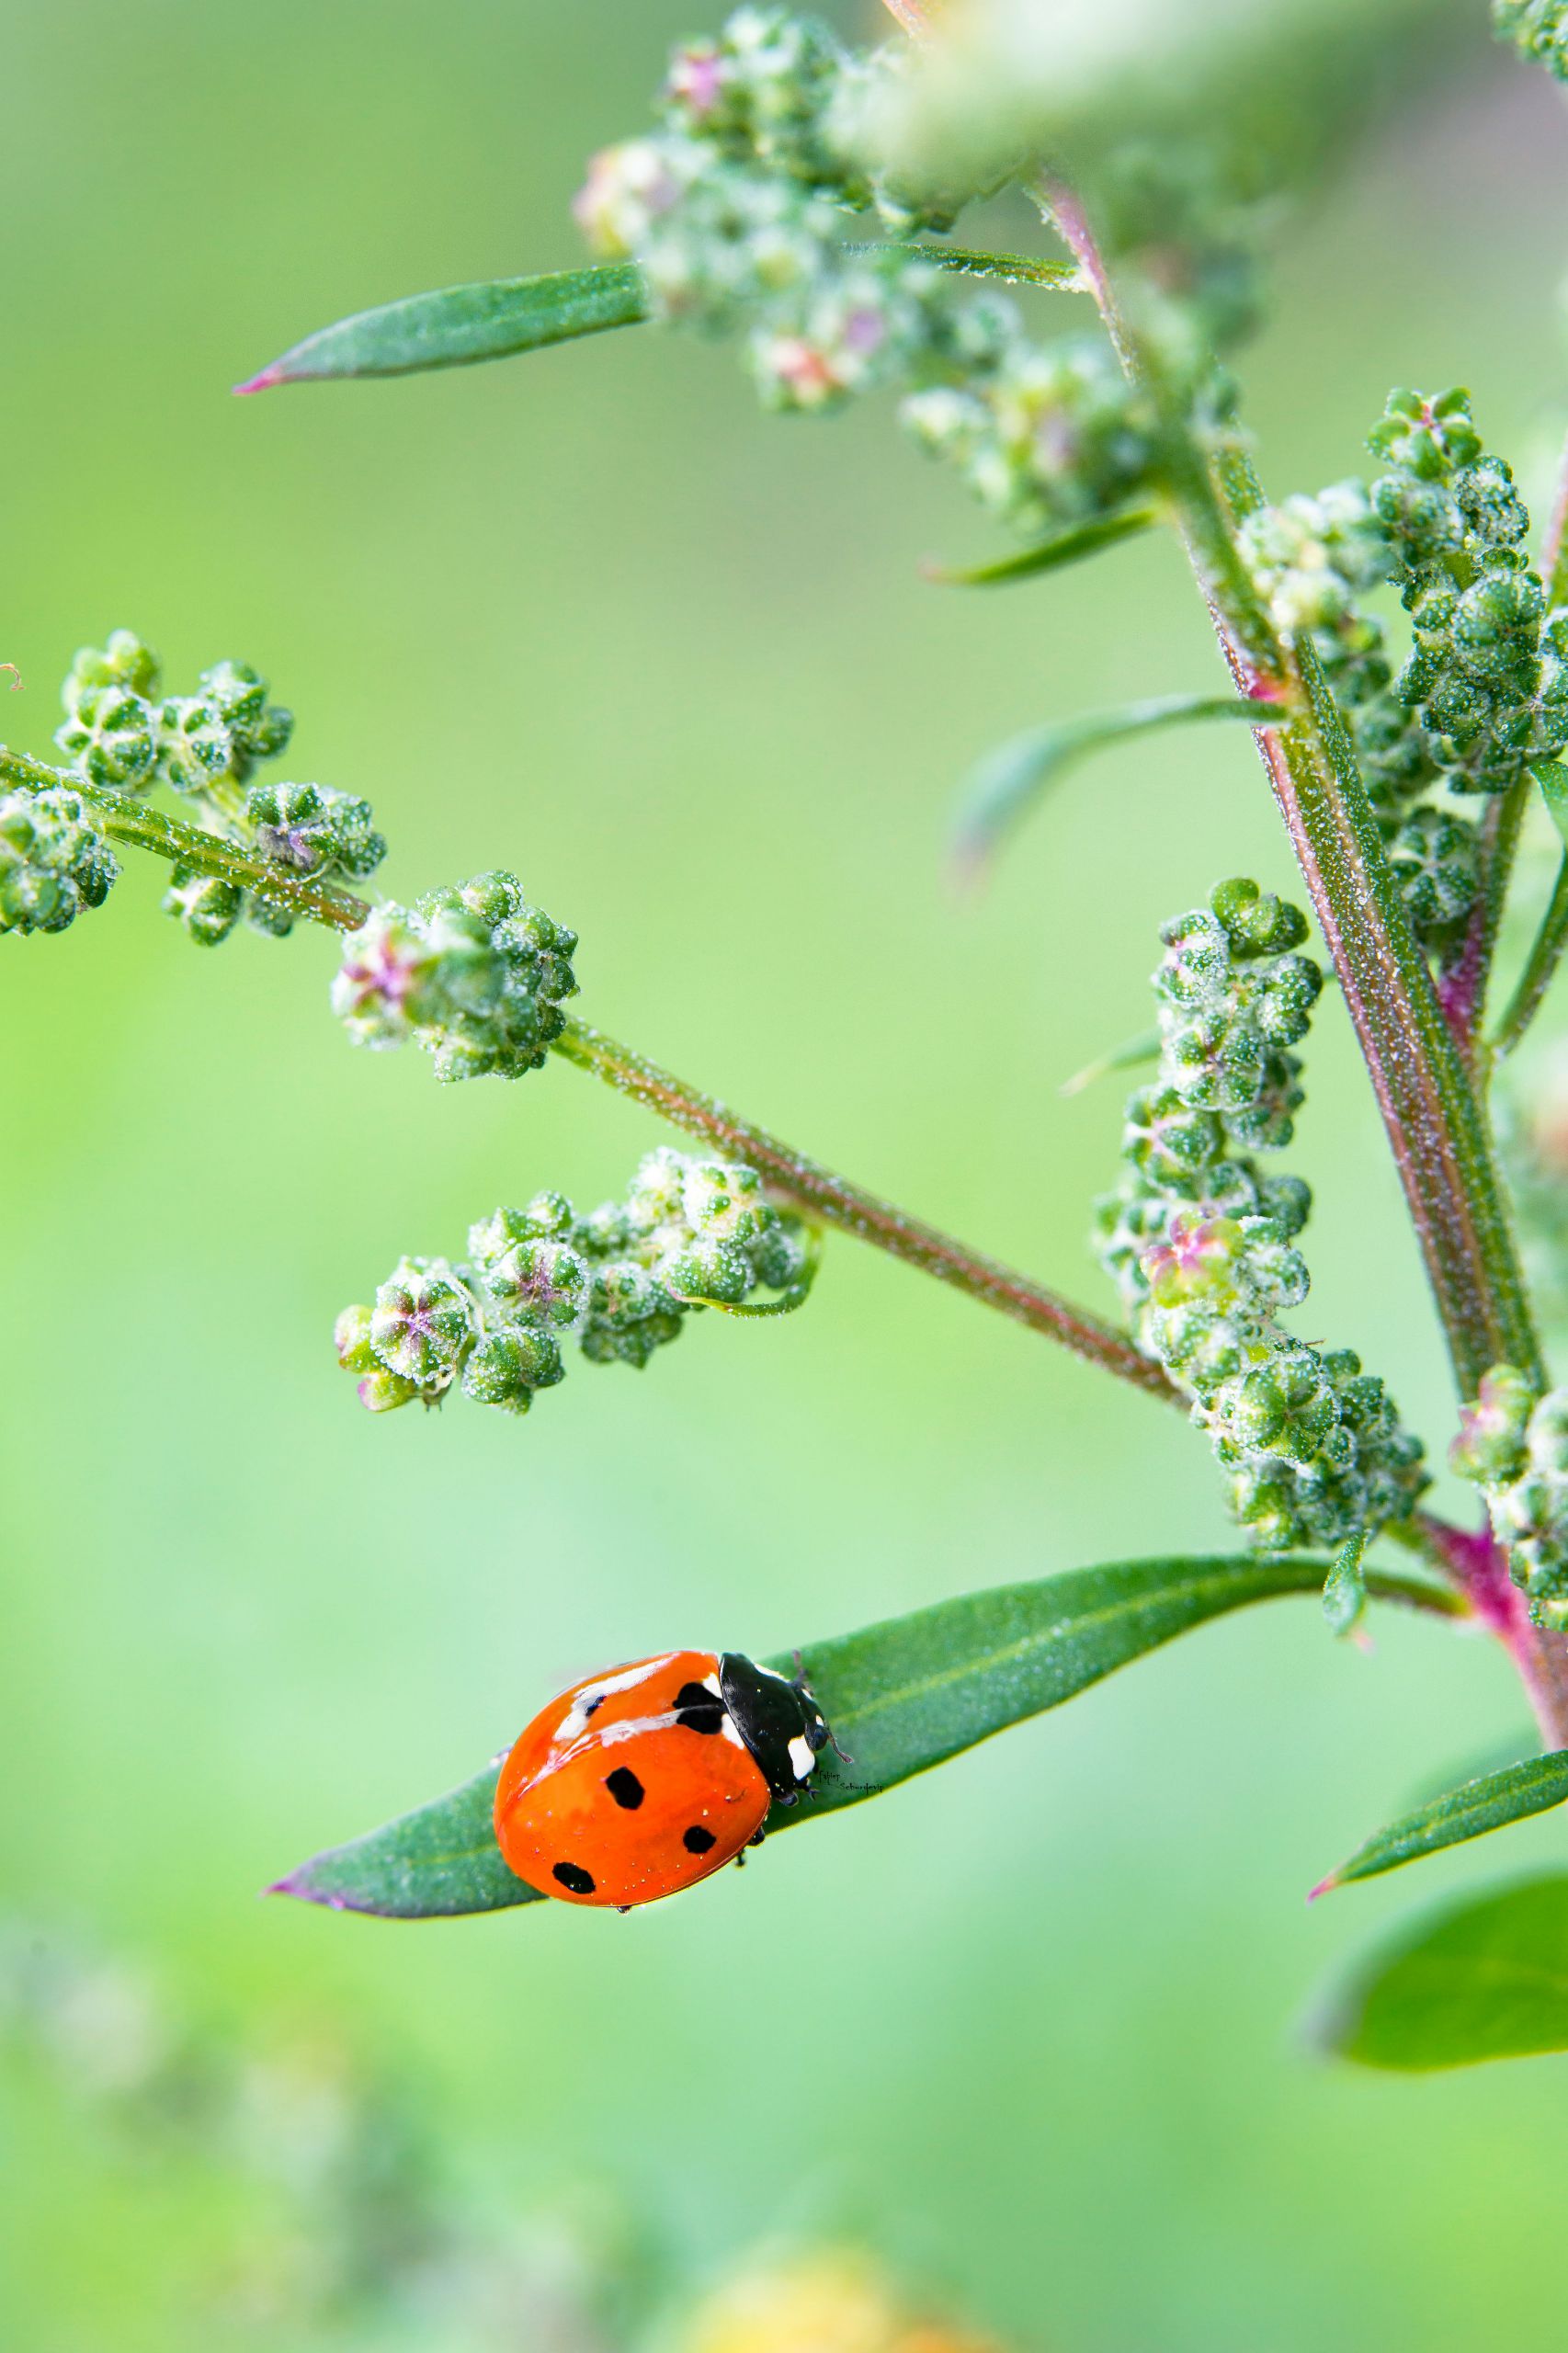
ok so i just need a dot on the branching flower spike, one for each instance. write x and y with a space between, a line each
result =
621 1281
1201 1242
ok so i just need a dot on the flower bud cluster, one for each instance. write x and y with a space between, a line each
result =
1487 673
620 1282
474 974
742 213
1201 1243
54 859
1046 435
1484 688
1514 1445
121 732
1537 28
736 210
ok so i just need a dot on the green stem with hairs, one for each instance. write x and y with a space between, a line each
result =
821 1193
804 1183
1436 1126
128 820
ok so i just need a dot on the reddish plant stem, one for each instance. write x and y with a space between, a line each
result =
1479 1566
822 1193
1462 989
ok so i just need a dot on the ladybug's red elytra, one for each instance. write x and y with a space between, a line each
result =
642 1780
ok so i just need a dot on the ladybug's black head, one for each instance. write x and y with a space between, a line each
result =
779 1721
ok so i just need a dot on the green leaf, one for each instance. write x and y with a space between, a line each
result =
1130 1055
1344 1588
457 325
1004 786
1007 269
1485 1978
1488 1802
901 1697
1049 555
1552 779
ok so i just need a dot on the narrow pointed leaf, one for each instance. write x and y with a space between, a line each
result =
1004 786
901 1697
1145 1048
1344 1588
1552 779
458 324
1489 1803
1065 547
1006 269
1485 1978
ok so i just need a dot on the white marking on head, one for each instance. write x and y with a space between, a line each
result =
802 1756
728 1729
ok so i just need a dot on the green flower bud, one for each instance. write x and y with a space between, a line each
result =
423 1323
194 747
208 908
1257 923
383 1393
1434 857
108 737
257 729
505 1368
472 974
124 663
351 1337
1491 1443
54 859
1165 1137
1428 434
313 830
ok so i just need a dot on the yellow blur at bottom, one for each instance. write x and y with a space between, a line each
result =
836 2301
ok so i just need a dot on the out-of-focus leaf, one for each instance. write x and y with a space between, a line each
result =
1552 779
1001 788
1488 1802
455 326
458 324
901 1697
1145 1048
1485 1978
1067 547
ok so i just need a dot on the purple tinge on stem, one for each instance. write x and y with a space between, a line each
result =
275 374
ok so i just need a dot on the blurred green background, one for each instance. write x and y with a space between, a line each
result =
1030 2027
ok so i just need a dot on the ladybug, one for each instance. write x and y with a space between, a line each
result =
645 1779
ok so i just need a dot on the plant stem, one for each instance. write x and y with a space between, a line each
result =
832 1199
1462 992
128 820
1436 1127
1540 966
815 1189
1478 1565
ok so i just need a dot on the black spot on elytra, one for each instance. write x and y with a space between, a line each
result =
588 1706
696 1840
625 1788
573 1876
699 1708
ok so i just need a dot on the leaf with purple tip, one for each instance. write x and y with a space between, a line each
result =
457 325
901 1697
1489 1803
